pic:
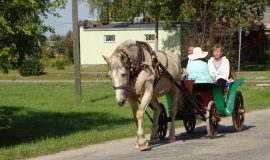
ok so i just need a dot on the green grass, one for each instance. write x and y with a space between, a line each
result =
255 97
47 119
250 75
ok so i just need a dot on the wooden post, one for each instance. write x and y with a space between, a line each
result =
156 33
239 50
76 51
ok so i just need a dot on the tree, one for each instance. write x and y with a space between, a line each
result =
22 29
60 45
218 21
116 10
210 14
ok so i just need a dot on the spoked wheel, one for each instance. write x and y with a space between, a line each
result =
162 123
212 119
238 115
189 124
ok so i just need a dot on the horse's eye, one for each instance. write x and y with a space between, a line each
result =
123 74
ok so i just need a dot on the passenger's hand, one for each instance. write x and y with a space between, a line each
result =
231 80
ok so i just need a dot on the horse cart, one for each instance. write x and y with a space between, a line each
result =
140 74
207 102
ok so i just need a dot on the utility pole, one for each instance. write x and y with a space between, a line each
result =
156 33
76 51
239 50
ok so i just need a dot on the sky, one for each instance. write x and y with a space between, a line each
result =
63 24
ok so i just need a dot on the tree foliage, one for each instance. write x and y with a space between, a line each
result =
62 45
212 16
22 29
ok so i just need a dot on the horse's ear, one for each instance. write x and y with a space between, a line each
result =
106 59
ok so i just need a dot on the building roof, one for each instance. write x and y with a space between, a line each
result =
123 25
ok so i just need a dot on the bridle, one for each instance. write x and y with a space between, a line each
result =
123 87
127 66
138 66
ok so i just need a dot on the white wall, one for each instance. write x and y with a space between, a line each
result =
92 44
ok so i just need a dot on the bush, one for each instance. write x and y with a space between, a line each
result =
6 60
45 61
31 67
60 63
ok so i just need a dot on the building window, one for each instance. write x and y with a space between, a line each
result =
109 38
149 37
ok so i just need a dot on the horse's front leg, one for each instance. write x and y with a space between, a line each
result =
134 106
146 98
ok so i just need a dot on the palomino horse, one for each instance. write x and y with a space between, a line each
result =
134 75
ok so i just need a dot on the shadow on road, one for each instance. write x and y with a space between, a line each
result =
201 133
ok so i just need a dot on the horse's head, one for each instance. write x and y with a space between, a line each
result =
119 72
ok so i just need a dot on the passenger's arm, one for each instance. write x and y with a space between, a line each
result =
211 70
227 69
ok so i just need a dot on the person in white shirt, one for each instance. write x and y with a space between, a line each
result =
219 67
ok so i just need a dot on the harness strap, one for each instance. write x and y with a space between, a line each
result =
153 57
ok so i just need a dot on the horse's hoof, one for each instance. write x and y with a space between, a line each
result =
171 139
143 146
137 146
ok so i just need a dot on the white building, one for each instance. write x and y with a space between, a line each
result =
103 39
266 21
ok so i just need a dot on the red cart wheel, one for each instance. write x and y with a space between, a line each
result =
189 124
238 115
212 119
162 123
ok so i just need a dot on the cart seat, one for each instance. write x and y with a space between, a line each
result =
188 84
191 86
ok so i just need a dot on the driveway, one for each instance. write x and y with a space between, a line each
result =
252 143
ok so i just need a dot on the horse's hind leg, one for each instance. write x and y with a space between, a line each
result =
156 108
174 93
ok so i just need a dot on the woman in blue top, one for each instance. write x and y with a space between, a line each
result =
197 68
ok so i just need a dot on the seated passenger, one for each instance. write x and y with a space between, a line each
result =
219 67
184 62
197 68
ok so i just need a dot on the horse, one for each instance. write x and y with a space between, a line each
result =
134 73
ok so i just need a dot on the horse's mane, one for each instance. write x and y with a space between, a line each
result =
125 45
